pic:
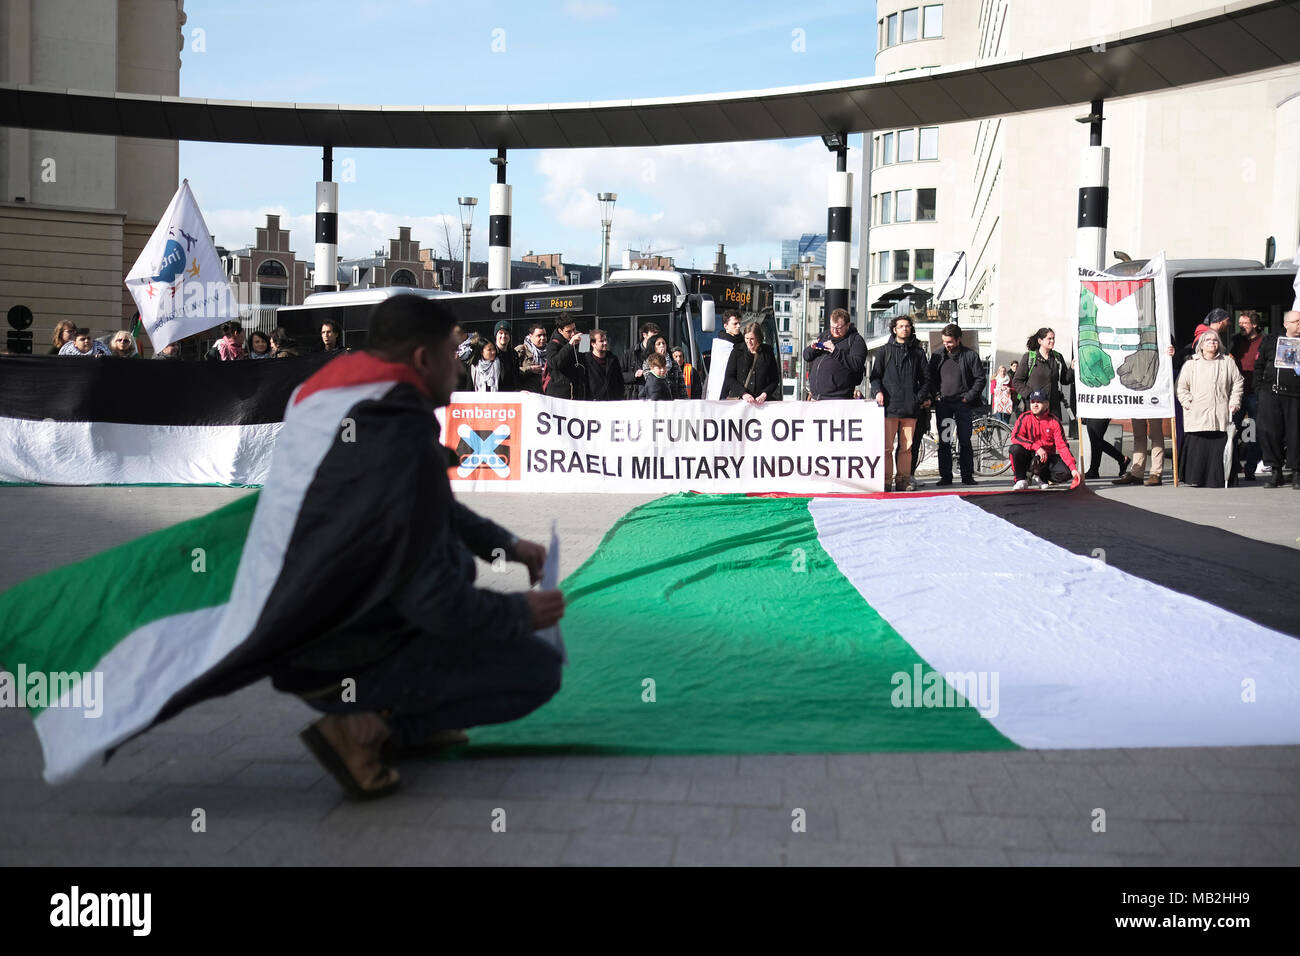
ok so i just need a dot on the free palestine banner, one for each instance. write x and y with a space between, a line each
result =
927 623
1124 330
519 441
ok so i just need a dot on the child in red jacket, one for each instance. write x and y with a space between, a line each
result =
1038 447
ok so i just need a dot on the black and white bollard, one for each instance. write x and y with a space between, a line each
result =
327 228
499 228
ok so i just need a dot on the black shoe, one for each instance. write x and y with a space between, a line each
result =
1276 481
1092 475
1128 478
1128 461
1295 481
943 483
969 481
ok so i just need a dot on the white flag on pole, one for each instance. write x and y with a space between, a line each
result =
178 283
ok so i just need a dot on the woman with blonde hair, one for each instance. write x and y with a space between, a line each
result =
1209 389
64 333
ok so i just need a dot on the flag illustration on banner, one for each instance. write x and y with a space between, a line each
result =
869 648
1123 332
178 283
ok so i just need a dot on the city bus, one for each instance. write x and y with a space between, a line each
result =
686 306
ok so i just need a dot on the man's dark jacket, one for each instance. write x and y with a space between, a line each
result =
604 383
567 377
1268 376
971 369
903 374
836 374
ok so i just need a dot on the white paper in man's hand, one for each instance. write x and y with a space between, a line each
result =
550 580
718 369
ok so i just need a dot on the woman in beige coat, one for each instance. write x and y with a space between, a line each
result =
1209 389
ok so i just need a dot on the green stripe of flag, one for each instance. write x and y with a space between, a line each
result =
755 642
67 619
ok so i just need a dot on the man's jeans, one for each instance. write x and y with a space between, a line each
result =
959 413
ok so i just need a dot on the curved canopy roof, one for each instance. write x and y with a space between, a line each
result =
1222 42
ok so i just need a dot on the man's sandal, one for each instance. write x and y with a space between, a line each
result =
348 746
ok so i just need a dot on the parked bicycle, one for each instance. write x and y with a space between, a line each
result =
990 440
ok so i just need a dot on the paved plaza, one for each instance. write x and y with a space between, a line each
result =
267 801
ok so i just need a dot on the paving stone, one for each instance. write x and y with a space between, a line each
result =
538 783
1181 756
1088 756
963 768
1022 800
889 768
811 853
1135 776
693 766
520 815
705 851
896 826
961 829
763 823
195 722
925 796
1244 779
951 856
268 747
671 819
1272 757
647 787
1121 836
291 776
746 791
193 770
176 835
1055 774
1058 858
1125 804
443 778
799 766
796 792
402 809
1237 807
628 764
617 849
1237 840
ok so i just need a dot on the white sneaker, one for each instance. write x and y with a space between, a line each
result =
1264 469
1020 485
1039 482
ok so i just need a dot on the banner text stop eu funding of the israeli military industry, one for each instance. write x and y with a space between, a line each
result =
519 441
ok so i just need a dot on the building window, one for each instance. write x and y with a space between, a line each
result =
925 265
906 145
925 205
403 277
886 149
886 208
911 23
891 29
267 295
883 273
902 263
271 269
933 22
929 142
903 206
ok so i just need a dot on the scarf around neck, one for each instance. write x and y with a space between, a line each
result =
228 350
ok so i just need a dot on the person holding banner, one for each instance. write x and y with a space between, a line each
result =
753 373
564 376
1209 389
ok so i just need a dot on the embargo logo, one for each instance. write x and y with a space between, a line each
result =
39 690
485 439
103 909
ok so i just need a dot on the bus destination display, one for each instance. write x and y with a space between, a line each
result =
554 303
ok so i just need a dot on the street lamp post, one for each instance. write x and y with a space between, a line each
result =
607 201
467 204
800 390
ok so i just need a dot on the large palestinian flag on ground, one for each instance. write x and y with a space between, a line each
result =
734 624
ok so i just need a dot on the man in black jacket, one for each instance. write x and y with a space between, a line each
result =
900 381
508 357
635 357
1279 406
957 382
604 373
837 360
564 376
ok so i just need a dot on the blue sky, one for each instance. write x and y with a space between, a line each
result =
683 200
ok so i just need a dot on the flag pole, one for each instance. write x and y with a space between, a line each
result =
1173 438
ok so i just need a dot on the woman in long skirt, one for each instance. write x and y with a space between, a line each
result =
1209 390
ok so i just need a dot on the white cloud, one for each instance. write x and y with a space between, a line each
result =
361 231
748 196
